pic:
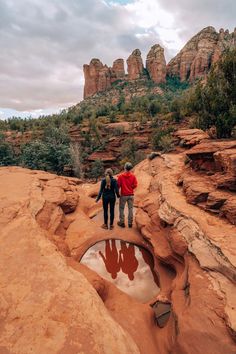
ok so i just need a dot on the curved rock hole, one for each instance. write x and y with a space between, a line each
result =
126 265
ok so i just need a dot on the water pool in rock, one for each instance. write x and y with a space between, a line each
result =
126 265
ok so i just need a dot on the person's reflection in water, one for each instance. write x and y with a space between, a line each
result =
128 261
150 262
111 258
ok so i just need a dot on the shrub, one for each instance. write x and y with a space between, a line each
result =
52 153
7 156
118 131
157 137
215 102
35 155
154 107
128 150
112 117
97 169
166 143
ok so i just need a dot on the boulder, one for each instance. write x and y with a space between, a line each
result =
216 200
203 153
229 210
225 181
190 137
196 190
226 161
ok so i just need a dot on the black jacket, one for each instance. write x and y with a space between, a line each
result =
108 192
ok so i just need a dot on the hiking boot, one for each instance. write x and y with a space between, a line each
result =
111 227
104 226
130 226
121 224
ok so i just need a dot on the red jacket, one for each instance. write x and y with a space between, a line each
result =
127 182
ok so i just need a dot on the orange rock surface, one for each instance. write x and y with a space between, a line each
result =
50 303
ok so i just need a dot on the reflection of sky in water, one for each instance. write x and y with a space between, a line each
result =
142 287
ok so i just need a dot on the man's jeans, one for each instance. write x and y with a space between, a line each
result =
130 201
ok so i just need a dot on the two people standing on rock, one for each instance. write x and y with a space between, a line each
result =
123 188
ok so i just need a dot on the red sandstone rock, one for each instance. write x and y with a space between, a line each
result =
225 181
226 161
71 202
57 309
103 156
118 69
202 156
91 76
156 64
104 79
225 41
177 242
97 78
190 137
45 305
229 210
216 200
197 56
210 147
135 65
196 190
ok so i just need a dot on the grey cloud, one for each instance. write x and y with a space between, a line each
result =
44 44
191 16
41 40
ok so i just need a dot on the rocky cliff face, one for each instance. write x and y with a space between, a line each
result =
135 65
198 55
192 62
96 77
156 64
118 69
99 77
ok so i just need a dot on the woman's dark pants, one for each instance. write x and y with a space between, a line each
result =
106 202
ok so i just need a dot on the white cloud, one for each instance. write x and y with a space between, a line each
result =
148 13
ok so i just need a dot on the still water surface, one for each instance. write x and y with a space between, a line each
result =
126 265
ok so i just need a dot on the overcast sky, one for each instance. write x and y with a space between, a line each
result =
44 43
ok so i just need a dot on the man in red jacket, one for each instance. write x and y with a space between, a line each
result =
127 182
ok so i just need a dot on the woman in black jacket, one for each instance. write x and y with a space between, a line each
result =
108 191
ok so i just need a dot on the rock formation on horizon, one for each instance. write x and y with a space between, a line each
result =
135 65
99 77
156 64
200 52
96 77
118 68
193 61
